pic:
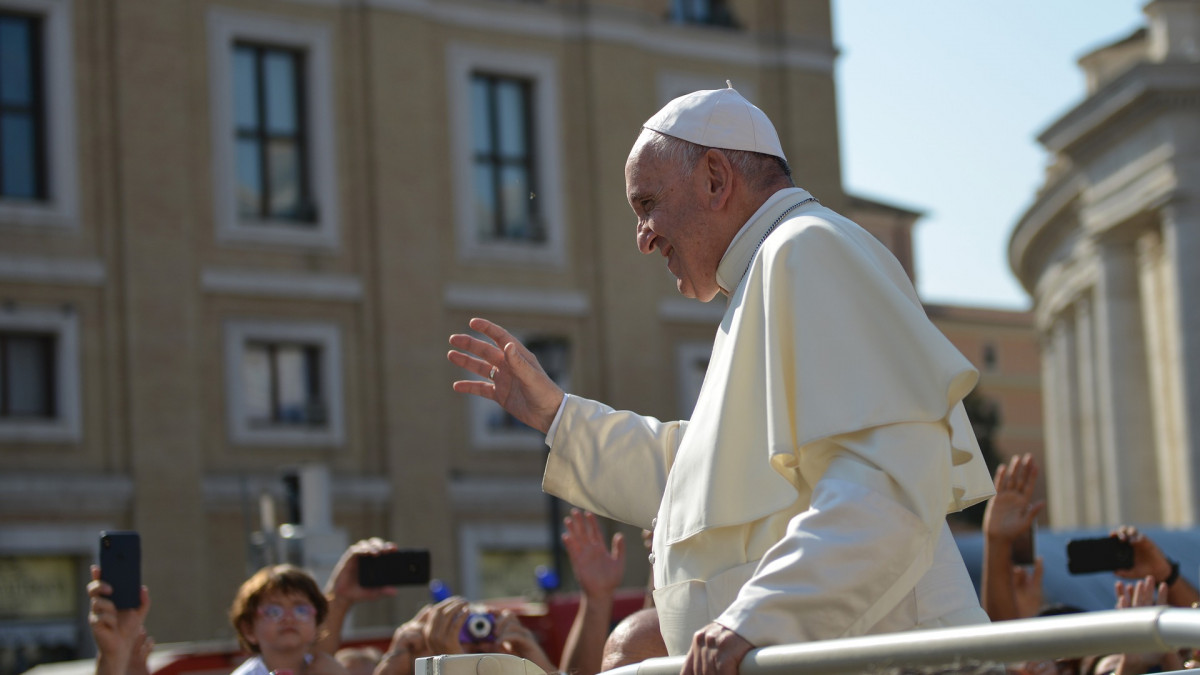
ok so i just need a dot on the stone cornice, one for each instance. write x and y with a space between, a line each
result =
1034 233
1143 85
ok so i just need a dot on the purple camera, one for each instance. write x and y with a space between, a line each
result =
478 628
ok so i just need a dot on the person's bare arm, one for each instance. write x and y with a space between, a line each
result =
1149 560
117 632
599 573
343 591
1008 514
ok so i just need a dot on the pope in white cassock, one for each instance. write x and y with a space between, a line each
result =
806 497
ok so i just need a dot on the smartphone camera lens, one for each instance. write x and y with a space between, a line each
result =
106 543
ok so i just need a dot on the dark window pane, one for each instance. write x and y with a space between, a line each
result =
481 134
514 190
510 108
282 101
485 200
19 163
283 385
249 178
16 61
284 165
245 89
28 369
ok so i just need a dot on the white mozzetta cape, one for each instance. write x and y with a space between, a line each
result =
806 498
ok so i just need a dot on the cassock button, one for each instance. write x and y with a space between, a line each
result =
651 557
653 523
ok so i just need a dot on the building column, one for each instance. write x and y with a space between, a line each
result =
1181 241
1157 324
157 214
1062 451
1091 472
1125 423
1060 495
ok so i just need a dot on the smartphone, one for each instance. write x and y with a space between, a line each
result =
121 567
406 567
1103 554
1023 552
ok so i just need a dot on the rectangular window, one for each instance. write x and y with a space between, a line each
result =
283 385
271 148
492 428
28 375
22 127
39 375
502 150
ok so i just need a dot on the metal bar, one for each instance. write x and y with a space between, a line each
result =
1140 630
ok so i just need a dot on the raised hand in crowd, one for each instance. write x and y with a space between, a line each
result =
343 590
408 644
1150 561
120 634
599 573
512 637
1008 516
443 625
1141 593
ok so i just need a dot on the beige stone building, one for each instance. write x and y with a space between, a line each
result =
1109 251
235 235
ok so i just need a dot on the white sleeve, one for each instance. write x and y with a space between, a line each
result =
611 462
863 544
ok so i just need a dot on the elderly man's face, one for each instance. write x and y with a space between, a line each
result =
668 201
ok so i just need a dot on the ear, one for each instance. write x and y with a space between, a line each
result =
718 178
247 630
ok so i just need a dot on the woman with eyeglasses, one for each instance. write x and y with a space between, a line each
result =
277 614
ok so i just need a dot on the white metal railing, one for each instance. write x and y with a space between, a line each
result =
1130 631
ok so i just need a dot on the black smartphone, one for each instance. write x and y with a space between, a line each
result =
1102 554
406 567
1023 550
121 567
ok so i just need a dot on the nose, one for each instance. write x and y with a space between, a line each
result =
645 237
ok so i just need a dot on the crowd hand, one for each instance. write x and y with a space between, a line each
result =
1148 559
1012 510
139 661
598 571
343 582
1027 586
512 375
1142 593
408 645
715 650
443 625
118 633
514 638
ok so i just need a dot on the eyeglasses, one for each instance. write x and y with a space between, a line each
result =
302 613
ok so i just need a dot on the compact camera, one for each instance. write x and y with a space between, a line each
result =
480 627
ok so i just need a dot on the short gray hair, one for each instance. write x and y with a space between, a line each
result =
757 168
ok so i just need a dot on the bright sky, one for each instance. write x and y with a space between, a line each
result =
939 104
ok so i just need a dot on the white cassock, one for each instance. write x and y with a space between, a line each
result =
806 497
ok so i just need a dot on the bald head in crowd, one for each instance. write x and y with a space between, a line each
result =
634 640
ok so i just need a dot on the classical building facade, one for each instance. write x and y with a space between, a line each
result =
235 235
1109 252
